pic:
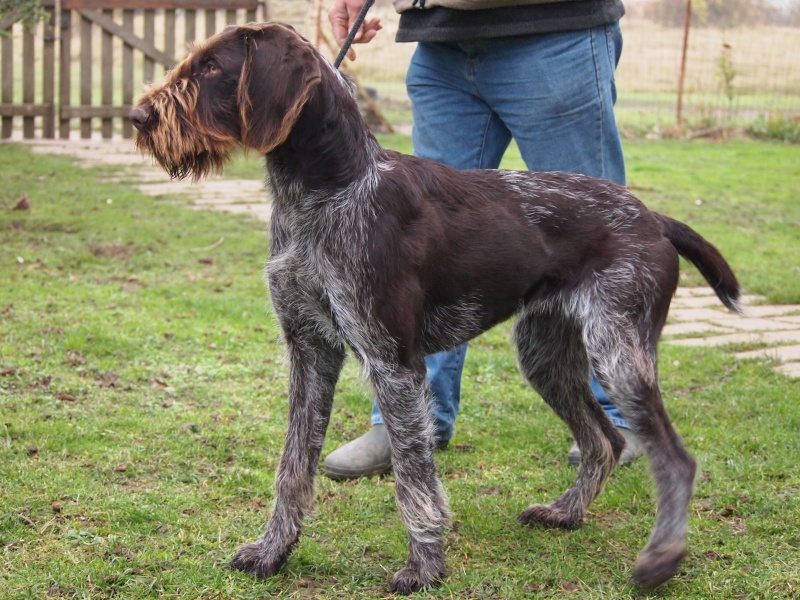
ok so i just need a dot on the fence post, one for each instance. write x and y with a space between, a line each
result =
127 70
7 94
65 73
28 82
682 77
49 72
86 68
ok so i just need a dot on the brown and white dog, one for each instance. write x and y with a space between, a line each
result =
398 257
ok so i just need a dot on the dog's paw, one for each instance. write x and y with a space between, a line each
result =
655 566
549 516
408 580
254 560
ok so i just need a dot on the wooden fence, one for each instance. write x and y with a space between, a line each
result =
88 61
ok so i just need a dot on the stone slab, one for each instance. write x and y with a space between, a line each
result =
694 327
791 369
772 337
712 301
785 354
92 152
773 310
262 212
693 292
747 324
696 302
695 314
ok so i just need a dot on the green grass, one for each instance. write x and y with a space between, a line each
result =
142 411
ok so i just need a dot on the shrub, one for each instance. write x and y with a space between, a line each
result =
785 128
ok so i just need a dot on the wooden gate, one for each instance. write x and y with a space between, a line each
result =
88 61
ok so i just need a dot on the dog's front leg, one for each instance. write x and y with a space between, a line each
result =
315 364
404 401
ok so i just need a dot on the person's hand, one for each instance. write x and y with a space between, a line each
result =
343 15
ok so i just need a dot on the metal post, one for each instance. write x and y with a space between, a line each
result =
682 77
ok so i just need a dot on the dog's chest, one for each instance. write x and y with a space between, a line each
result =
317 282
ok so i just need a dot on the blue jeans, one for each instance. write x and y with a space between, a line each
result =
553 94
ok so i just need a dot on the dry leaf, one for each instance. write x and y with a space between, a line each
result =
22 203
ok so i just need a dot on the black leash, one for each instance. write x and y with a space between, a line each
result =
351 36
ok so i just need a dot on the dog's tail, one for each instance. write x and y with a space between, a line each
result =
708 260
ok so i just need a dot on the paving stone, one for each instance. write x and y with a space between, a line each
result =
92 152
791 369
772 337
774 310
227 195
693 292
262 212
785 354
694 327
696 314
161 188
747 300
745 324
712 301
696 301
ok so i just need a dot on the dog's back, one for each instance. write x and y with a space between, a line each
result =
474 247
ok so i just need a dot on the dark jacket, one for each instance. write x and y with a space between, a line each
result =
431 22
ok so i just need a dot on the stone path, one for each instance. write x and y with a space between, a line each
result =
227 195
696 317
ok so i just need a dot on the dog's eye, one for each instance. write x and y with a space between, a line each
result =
210 69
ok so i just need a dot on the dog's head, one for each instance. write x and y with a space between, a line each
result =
245 86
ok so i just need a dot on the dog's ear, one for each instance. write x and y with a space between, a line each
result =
278 77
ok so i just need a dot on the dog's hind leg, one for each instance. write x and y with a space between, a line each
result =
553 359
628 373
315 364
403 398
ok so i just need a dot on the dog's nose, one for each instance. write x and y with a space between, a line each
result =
139 116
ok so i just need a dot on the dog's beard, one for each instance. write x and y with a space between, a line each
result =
185 153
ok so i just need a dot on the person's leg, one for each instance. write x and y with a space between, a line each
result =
556 95
455 127
444 379
453 124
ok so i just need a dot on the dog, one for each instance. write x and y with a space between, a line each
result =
398 257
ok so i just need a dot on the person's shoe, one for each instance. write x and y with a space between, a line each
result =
366 456
633 449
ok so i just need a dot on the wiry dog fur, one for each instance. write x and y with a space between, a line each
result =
397 257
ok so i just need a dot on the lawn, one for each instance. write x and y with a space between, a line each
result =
142 410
